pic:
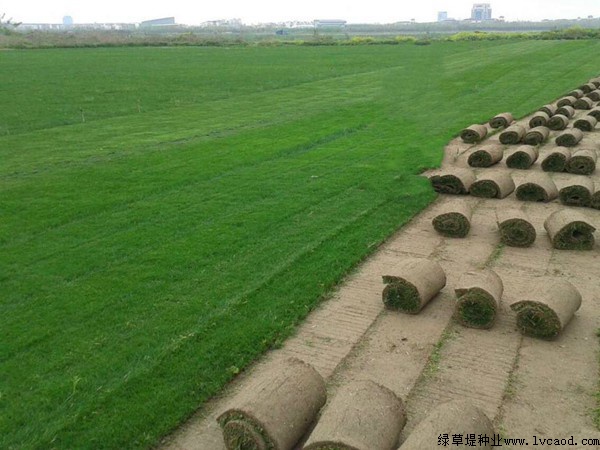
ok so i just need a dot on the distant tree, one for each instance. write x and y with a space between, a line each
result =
7 26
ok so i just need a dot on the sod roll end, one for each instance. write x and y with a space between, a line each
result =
558 122
454 219
455 181
502 120
473 133
478 298
538 188
493 184
515 227
582 162
412 283
277 410
577 191
556 160
512 135
570 230
569 138
522 157
486 155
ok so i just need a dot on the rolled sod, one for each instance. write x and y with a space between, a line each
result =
594 95
455 181
595 202
556 160
558 122
536 135
515 227
577 93
569 138
454 220
522 157
457 417
586 123
567 111
478 295
486 155
583 103
539 119
577 192
582 162
549 109
361 415
538 188
595 82
276 411
413 283
566 101
548 309
587 87
502 120
595 112
569 230
493 184
473 133
512 135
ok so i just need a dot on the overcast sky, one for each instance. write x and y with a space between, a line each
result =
354 11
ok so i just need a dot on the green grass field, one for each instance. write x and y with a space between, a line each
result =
167 215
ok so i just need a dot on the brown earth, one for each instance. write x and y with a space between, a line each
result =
527 386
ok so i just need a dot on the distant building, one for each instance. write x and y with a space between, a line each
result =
165 21
68 21
481 12
442 15
329 23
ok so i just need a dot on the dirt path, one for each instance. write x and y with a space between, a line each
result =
528 386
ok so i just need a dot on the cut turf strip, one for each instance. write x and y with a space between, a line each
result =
473 133
493 184
586 123
454 220
455 181
515 228
538 188
583 103
570 230
558 122
512 135
277 411
458 417
522 157
549 109
411 284
567 111
548 309
478 296
502 120
569 138
361 415
539 119
566 101
577 192
536 135
486 155
582 162
556 160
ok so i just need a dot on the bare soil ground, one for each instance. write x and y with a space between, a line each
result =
527 386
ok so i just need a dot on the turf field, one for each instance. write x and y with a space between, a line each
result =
167 215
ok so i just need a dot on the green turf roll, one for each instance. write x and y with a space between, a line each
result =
582 162
594 95
412 283
473 133
569 138
595 81
548 309
549 109
454 219
556 160
558 122
536 135
577 93
566 101
501 120
478 296
455 181
539 119
577 191
569 230
583 103
486 155
493 184
595 200
587 87
515 227
522 157
277 411
595 112
538 188
567 111
586 123
512 135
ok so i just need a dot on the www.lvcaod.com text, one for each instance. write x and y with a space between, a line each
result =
496 440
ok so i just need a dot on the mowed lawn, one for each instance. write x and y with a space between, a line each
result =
167 215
